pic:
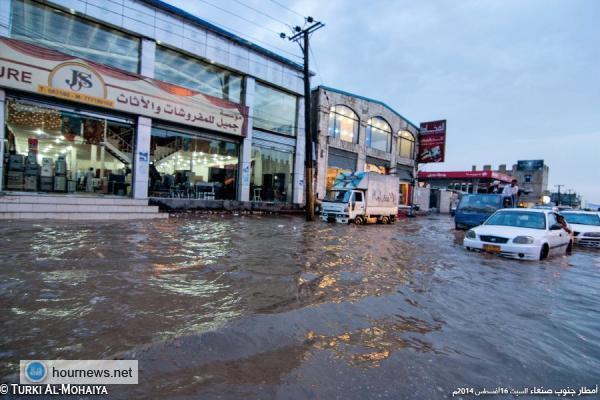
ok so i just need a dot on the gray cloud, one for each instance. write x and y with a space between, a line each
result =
516 79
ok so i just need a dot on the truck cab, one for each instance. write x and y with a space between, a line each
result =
343 205
474 209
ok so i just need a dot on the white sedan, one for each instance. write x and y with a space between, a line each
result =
586 227
524 234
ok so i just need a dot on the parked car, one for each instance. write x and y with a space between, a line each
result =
523 234
474 209
585 226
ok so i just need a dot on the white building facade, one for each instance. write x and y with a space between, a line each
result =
141 99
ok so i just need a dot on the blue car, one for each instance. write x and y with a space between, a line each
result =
474 209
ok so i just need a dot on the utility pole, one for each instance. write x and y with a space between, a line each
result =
558 201
309 167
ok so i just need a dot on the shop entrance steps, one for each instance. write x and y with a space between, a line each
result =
73 207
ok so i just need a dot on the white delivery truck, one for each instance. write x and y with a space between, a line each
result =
362 197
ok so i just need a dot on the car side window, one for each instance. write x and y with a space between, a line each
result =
552 220
357 196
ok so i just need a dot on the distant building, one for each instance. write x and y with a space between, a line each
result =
355 133
566 199
532 178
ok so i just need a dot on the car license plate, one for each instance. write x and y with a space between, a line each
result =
491 248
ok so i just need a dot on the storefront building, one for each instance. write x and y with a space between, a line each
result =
355 133
140 99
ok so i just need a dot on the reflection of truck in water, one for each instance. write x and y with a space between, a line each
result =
362 197
474 209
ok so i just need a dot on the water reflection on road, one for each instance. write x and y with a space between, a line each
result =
263 307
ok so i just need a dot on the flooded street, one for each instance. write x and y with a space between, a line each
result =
273 307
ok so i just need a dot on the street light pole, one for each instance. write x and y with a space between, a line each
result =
558 201
309 167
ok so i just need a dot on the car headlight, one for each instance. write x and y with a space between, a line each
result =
523 240
592 234
471 234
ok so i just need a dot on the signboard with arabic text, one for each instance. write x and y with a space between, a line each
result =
36 69
432 142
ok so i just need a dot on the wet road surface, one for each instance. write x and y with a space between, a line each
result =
272 307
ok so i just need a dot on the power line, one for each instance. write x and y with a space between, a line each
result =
263 13
287 8
240 17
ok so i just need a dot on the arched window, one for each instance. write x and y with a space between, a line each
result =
406 144
343 123
379 134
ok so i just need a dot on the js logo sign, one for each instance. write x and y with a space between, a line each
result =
77 77
79 80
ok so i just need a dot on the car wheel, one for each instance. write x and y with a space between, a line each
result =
569 248
544 252
358 220
385 220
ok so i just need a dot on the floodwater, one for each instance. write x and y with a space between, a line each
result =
261 307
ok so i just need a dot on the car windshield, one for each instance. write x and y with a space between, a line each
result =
479 203
519 219
338 196
582 219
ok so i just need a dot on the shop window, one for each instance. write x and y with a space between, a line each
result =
176 68
60 151
274 110
271 178
404 194
406 144
379 134
343 123
380 169
51 28
191 166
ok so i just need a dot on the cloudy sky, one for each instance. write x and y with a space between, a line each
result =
516 79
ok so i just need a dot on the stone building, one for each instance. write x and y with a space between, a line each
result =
356 133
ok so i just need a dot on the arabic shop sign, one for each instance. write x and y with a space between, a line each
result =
35 69
432 142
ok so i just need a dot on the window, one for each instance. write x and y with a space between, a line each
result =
271 178
274 110
51 28
357 196
552 220
62 151
379 134
343 124
406 144
528 178
188 165
179 69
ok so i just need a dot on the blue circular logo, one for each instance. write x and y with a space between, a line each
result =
35 371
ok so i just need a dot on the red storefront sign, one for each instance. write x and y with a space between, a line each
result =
432 142
424 175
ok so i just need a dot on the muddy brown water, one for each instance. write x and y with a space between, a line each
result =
274 307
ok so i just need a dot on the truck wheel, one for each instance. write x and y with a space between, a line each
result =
358 220
385 220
